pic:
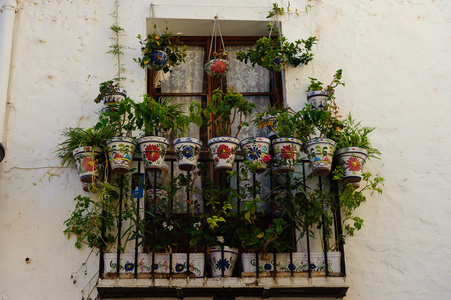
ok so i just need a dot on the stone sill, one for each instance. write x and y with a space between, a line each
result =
265 287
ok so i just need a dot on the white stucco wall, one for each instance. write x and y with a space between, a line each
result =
396 65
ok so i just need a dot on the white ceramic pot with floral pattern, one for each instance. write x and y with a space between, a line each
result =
162 199
116 96
224 263
318 99
187 152
217 68
126 263
317 262
157 178
256 151
352 160
286 153
297 263
196 264
320 152
265 262
223 150
153 151
89 162
120 153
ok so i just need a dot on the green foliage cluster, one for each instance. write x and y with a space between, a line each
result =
120 117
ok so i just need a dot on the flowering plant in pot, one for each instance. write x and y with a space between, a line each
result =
121 119
354 148
110 92
223 110
86 148
319 95
161 51
156 119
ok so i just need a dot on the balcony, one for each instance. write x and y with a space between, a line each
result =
299 272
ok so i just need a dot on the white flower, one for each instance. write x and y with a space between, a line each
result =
220 239
165 225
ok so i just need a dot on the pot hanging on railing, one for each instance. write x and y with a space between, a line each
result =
256 151
217 66
120 153
187 152
320 152
223 150
286 153
153 151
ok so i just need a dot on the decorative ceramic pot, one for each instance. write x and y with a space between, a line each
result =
220 263
158 60
278 64
269 123
320 152
156 178
89 162
286 153
160 263
317 262
256 151
114 97
187 151
162 200
217 68
297 263
223 150
196 263
352 160
153 151
120 153
318 99
265 262
126 263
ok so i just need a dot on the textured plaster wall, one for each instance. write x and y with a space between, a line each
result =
395 61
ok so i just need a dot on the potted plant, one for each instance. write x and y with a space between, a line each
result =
354 148
318 95
187 149
156 119
86 148
121 119
223 110
218 66
110 92
161 51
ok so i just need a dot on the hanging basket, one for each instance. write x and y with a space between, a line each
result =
187 152
217 66
223 150
89 163
158 60
256 151
153 151
120 153
352 160
286 153
320 152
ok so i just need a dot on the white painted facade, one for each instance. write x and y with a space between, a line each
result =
395 59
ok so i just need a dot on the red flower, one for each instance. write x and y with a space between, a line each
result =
89 164
117 155
152 153
218 67
224 151
353 164
287 152
266 158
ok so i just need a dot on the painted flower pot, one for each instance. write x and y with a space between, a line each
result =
89 162
160 263
153 151
267 126
126 263
256 151
297 263
156 178
318 99
162 199
114 97
265 262
317 262
352 160
196 263
224 263
223 150
158 60
120 153
286 153
217 68
278 64
187 152
320 152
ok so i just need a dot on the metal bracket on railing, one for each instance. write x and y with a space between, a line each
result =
179 293
265 294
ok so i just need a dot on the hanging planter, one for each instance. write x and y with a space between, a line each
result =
352 160
320 152
217 66
220 263
158 59
318 99
286 153
223 150
187 152
89 162
256 151
153 151
120 153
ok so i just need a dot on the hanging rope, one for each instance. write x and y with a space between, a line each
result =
214 37
153 19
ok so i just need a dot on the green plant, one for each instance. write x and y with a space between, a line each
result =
105 88
119 117
355 135
158 118
167 42
226 108
322 123
316 85
79 137
194 117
